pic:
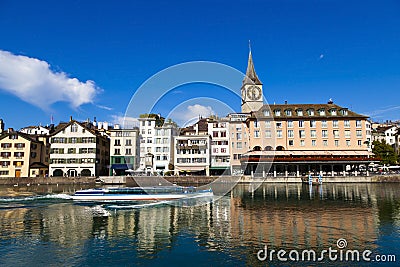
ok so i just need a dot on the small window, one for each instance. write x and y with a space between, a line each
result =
322 112
288 112
266 113
277 112
333 112
310 112
299 112
74 128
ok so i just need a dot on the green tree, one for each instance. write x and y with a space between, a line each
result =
385 152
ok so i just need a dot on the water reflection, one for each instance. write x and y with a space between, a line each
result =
292 216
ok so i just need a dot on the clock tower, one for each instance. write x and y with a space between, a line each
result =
252 94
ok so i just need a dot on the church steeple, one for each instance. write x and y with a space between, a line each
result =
251 75
252 93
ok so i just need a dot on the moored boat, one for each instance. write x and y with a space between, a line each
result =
140 193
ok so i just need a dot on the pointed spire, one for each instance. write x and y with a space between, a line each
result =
251 76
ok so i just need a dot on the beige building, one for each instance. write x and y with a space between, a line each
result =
22 155
296 139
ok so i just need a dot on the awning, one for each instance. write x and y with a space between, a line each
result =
121 166
219 168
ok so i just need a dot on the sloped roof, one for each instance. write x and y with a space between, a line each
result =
251 75
23 135
304 108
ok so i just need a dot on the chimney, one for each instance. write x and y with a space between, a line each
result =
330 101
70 118
285 102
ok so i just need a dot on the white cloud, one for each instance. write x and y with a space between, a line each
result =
125 122
191 114
33 81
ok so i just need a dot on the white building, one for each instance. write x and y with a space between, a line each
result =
238 140
387 133
124 150
192 154
156 141
77 149
218 129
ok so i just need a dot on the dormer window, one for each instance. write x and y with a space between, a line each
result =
310 112
333 112
74 128
277 112
344 112
288 112
322 112
299 112
266 113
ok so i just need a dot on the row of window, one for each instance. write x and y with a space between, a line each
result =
72 161
191 142
324 143
9 145
219 143
239 145
123 134
73 150
16 154
72 140
219 134
117 142
309 112
191 160
191 151
6 163
4 173
301 124
302 133
128 151
218 150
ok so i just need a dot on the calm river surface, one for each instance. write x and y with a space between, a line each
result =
41 226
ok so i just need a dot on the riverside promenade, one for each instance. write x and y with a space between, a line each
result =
188 180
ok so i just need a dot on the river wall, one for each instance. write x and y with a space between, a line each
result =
188 180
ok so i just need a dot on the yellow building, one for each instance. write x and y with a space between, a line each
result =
22 155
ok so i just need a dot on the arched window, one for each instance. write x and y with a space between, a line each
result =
269 148
257 148
58 172
280 148
86 172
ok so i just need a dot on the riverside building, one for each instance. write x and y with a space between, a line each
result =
124 150
23 155
78 149
156 144
297 139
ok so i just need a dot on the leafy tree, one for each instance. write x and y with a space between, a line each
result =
385 152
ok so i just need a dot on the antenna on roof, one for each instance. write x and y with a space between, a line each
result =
249 46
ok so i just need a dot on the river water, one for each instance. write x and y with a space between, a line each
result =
42 226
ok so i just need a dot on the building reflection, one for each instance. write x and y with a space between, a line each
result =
280 215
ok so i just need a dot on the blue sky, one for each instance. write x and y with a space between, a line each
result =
87 58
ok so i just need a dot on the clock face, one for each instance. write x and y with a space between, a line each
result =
254 92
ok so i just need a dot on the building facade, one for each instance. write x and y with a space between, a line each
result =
218 129
156 144
124 150
298 139
77 149
22 155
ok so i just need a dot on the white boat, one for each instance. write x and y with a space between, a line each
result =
140 193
